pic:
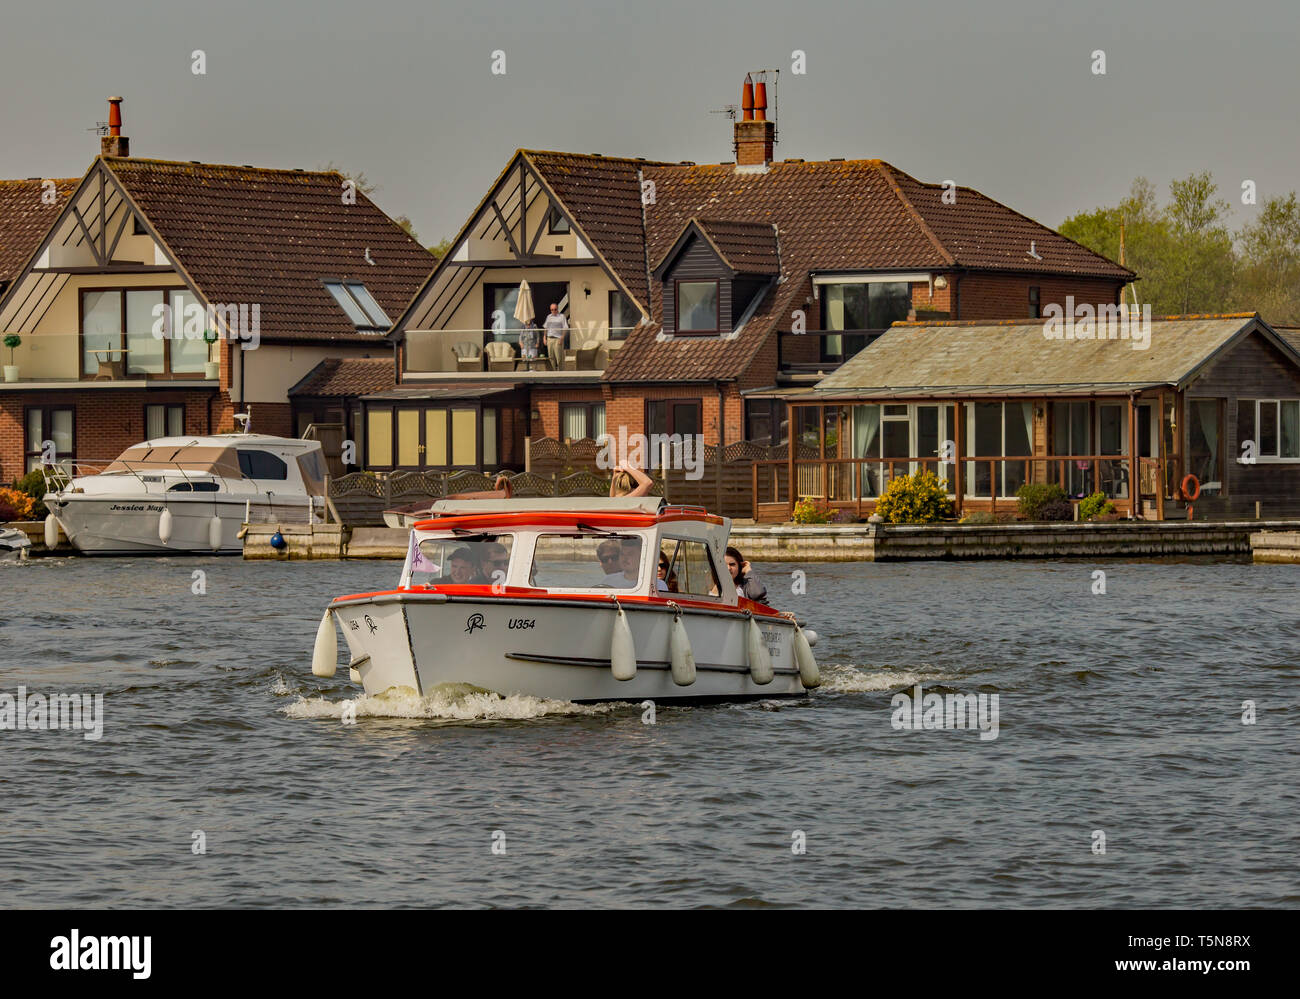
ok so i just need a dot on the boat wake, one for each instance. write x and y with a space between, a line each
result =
447 702
840 678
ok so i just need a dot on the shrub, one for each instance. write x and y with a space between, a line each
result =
1095 507
1033 496
1057 509
979 517
13 341
33 484
14 505
914 499
808 512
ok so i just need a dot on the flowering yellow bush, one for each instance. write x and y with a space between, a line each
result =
914 499
808 512
15 505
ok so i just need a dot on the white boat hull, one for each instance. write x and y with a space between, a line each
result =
120 525
554 648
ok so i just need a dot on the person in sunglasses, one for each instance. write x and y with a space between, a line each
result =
628 566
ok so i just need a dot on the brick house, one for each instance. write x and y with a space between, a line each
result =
161 297
707 293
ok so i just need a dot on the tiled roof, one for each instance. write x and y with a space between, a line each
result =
604 194
1016 358
745 247
250 235
24 219
351 376
829 215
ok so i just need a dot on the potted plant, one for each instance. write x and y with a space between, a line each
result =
211 368
12 341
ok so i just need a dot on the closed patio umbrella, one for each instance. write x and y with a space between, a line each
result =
524 314
524 306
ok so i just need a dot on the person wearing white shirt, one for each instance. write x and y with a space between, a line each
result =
556 326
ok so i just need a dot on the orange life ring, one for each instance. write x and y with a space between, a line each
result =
1195 489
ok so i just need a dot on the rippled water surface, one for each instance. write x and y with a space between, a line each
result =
1119 713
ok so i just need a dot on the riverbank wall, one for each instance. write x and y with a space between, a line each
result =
879 542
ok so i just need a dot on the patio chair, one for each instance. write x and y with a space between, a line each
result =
468 356
586 355
582 358
109 367
500 356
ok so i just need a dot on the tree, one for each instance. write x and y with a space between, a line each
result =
1202 262
1182 251
405 223
359 178
1269 267
440 249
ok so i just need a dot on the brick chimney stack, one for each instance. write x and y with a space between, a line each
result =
114 143
754 133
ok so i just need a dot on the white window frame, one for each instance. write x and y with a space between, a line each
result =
1276 458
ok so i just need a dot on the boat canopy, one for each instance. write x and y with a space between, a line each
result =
567 504
170 457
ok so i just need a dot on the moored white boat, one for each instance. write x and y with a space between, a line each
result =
560 599
188 495
13 544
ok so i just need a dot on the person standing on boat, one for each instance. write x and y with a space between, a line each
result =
747 583
628 480
556 326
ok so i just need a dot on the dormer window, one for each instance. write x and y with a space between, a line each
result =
359 305
697 306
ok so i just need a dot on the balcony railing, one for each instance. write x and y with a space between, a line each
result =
989 481
832 348
68 358
487 351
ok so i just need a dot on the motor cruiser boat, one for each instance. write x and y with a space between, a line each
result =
13 544
179 495
565 599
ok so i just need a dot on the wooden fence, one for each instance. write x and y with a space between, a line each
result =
723 482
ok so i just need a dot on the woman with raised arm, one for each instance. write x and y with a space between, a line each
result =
628 480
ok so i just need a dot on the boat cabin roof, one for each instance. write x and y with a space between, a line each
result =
548 504
571 511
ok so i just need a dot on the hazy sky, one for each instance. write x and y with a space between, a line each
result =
998 94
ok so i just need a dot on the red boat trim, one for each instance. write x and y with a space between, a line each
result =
524 594
567 519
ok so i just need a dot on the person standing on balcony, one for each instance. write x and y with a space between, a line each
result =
556 326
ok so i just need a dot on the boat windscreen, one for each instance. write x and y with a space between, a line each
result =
482 559
586 562
312 466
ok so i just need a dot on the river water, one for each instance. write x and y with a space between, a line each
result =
1120 714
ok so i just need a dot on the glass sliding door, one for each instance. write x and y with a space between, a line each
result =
996 429
144 351
1071 436
1112 439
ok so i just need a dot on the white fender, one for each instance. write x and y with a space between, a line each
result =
809 674
683 659
811 636
760 661
325 654
165 526
622 651
51 531
214 533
